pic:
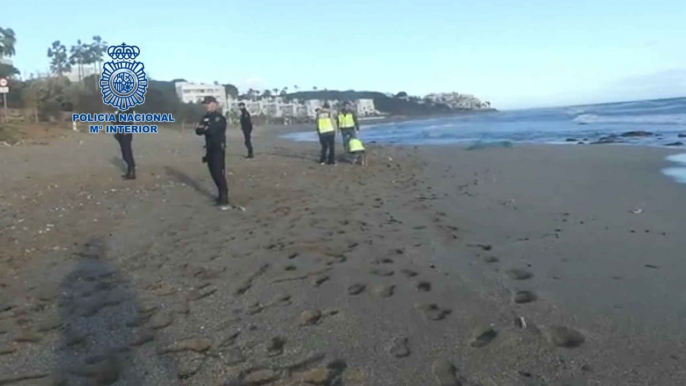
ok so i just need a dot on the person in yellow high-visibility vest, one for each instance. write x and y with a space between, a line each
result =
326 128
347 123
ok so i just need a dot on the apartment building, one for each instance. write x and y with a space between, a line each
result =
195 92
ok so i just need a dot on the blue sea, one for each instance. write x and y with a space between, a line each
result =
666 118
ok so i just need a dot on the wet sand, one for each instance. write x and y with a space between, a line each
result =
432 266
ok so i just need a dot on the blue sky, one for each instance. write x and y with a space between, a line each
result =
516 54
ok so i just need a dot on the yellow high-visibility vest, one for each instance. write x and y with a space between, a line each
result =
324 124
346 121
355 145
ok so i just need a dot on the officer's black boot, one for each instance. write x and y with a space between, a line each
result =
223 198
130 174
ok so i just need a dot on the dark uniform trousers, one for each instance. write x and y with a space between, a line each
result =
328 142
126 152
216 163
247 140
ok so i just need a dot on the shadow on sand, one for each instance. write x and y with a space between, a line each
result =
184 178
104 340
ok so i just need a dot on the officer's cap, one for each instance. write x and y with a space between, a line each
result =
209 99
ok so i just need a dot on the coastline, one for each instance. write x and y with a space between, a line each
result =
464 231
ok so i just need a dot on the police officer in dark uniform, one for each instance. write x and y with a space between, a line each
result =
246 127
125 140
213 127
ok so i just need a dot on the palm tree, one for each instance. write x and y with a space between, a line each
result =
59 63
98 48
78 54
7 42
275 91
314 88
296 88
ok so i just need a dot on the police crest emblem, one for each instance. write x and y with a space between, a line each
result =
123 82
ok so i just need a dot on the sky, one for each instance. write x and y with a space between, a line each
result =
515 54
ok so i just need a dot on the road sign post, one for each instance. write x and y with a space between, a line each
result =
4 89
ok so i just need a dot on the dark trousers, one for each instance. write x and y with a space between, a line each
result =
328 141
126 152
216 164
248 141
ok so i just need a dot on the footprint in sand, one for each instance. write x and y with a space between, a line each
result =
423 286
445 373
275 346
383 261
562 336
484 337
519 274
384 291
383 272
432 311
319 280
523 297
356 289
290 268
399 348
408 273
491 259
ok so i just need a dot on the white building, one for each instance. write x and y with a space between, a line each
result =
365 107
195 92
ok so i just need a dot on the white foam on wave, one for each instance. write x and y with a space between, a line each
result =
664 119
678 174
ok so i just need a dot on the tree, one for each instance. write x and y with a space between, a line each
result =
266 94
98 48
7 41
78 57
401 94
8 70
275 91
231 90
60 62
314 88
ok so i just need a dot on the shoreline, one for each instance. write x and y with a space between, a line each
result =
517 266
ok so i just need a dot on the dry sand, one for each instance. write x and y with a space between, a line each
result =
432 266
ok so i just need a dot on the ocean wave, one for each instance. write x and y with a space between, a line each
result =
665 119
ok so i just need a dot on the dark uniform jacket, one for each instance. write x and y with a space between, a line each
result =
213 127
246 121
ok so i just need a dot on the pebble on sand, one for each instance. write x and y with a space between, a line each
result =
161 320
318 376
562 336
445 373
309 318
259 377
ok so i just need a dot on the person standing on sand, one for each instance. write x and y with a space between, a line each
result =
213 127
125 140
327 136
246 127
347 124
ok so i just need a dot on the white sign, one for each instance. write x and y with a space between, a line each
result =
3 82
4 90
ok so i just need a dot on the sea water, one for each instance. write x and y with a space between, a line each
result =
665 118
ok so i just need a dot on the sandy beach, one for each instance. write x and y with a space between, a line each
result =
525 266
